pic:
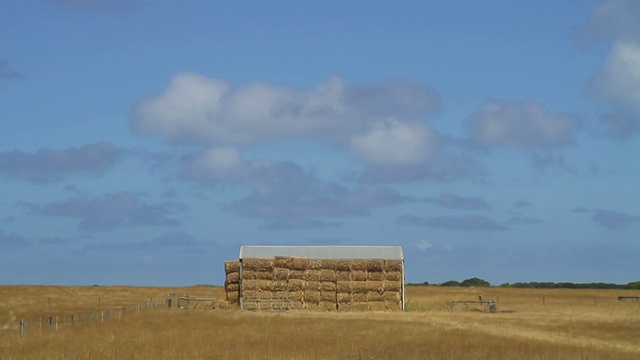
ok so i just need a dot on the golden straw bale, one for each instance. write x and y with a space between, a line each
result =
328 264
393 285
328 296
343 298
391 296
314 264
312 306
313 286
375 265
328 306
282 262
359 297
359 275
232 297
297 295
298 274
359 287
314 275
393 265
342 275
265 285
375 276
358 264
280 285
296 284
233 277
231 266
327 275
231 287
257 264
344 306
249 275
375 286
250 285
264 275
343 287
299 263
360 306
393 276
343 265
280 274
378 306
375 296
394 306
328 286
311 297
249 293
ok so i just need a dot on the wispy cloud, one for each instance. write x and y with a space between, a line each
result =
12 241
462 223
453 201
610 219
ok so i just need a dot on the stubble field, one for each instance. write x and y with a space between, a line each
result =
529 324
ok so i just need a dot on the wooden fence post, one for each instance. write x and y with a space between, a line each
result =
23 326
73 319
544 300
50 321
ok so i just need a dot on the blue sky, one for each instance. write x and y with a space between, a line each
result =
144 141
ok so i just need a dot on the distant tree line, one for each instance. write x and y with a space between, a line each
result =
477 282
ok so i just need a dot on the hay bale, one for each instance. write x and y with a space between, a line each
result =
375 276
343 298
297 274
257 264
232 297
393 265
359 275
344 306
328 286
280 285
342 275
391 296
280 274
343 287
231 266
312 307
312 286
232 287
311 297
362 297
259 285
375 296
249 275
375 265
328 296
393 276
378 306
314 264
250 285
360 265
328 264
299 263
360 306
327 275
282 262
328 306
343 265
296 285
359 287
233 277
264 275
392 285
314 275
393 306
249 293
375 286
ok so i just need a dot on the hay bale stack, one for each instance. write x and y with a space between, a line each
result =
231 266
297 274
343 287
257 275
359 287
311 297
358 264
343 298
328 296
280 286
393 265
259 285
375 286
280 274
327 275
328 264
344 306
257 264
393 276
328 286
296 284
232 287
312 286
359 275
343 275
375 276
392 296
314 264
232 297
298 263
328 306
375 265
359 297
314 275
378 306
392 285
343 265
232 280
360 306
375 297
282 262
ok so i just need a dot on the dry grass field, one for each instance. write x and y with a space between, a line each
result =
567 324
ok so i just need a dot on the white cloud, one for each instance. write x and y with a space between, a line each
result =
519 124
396 143
619 80
424 245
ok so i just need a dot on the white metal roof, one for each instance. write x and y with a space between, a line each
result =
324 252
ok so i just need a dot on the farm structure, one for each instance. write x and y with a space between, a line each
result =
326 278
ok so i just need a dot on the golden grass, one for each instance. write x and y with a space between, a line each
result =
571 324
